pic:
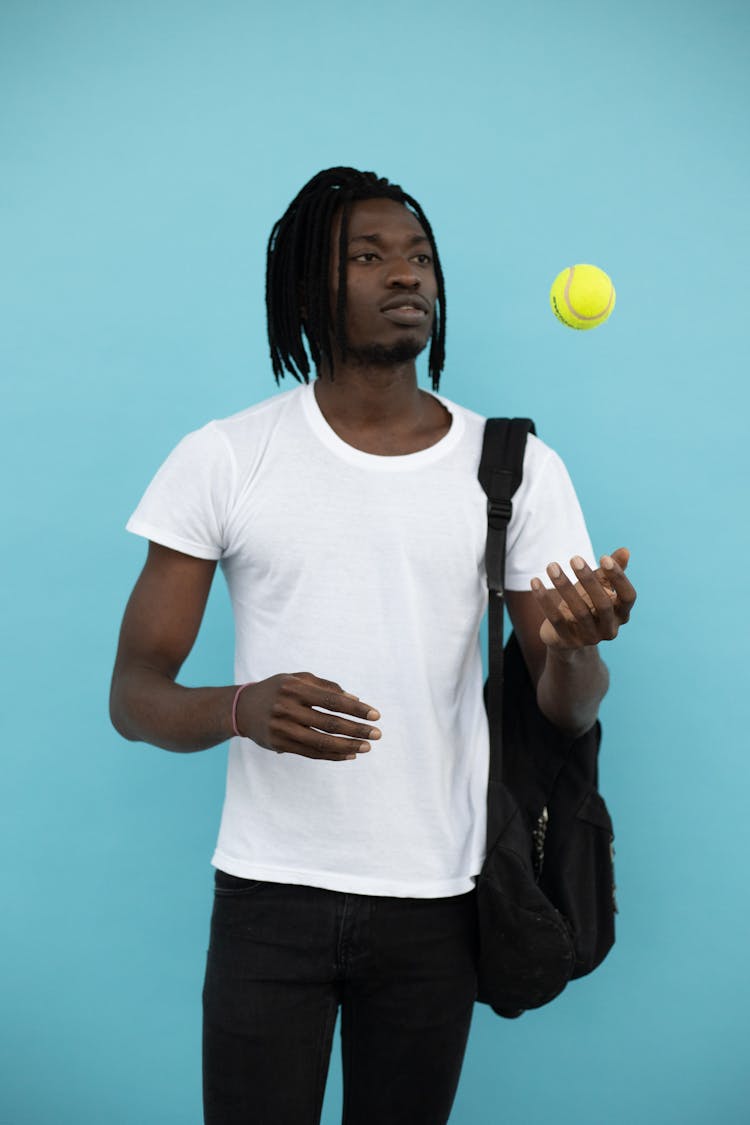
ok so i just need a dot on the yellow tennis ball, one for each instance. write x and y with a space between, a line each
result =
582 296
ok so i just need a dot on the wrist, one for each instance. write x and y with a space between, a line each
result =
235 702
572 656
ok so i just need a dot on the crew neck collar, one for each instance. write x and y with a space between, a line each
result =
378 462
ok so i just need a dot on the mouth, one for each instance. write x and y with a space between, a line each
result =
407 310
405 314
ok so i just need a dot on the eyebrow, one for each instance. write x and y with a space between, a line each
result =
377 240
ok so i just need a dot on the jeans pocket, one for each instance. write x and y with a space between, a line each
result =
233 885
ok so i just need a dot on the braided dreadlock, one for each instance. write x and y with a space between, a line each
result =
298 262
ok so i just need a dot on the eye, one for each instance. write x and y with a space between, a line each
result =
366 256
424 259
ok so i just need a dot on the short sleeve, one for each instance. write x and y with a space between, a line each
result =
547 524
186 505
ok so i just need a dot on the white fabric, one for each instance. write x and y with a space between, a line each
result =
367 570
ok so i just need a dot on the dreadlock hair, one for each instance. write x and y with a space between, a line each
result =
298 272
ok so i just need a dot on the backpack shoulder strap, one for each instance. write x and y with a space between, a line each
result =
500 473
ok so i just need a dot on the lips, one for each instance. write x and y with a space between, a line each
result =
410 300
406 310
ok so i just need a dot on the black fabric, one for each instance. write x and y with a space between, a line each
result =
545 895
284 959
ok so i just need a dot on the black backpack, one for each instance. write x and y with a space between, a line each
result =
545 895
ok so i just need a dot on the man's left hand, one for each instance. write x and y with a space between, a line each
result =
590 611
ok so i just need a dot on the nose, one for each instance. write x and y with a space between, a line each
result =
402 275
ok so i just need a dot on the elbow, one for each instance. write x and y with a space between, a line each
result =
118 712
577 730
573 724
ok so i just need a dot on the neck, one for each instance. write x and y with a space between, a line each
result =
371 395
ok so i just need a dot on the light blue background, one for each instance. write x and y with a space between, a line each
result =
147 148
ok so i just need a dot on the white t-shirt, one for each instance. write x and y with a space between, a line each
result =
367 570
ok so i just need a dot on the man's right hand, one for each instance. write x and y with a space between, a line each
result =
291 714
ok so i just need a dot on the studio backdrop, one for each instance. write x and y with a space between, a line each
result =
147 149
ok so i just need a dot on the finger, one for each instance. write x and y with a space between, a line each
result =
296 724
622 586
602 600
594 585
549 600
303 751
332 723
621 556
290 736
575 603
332 697
559 625
311 743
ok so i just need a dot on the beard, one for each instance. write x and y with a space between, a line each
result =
381 355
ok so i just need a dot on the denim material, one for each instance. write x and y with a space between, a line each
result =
281 960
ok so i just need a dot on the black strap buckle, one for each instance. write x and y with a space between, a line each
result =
499 512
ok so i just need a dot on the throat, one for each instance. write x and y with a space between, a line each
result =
395 436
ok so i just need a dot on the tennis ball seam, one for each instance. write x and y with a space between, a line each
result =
569 303
565 291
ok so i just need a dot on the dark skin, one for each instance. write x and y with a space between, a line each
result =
375 405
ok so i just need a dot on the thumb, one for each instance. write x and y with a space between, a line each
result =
621 556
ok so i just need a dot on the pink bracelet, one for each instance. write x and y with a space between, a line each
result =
237 695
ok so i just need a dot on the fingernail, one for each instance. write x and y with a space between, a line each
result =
578 563
374 733
372 714
608 563
350 758
364 747
554 570
535 584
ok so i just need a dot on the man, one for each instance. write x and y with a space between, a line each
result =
351 527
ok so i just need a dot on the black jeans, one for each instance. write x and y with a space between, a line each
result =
281 960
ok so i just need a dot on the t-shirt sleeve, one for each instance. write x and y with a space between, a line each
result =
186 505
547 523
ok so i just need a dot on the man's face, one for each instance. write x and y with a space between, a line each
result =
391 284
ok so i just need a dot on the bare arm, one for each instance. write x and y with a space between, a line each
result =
559 631
281 713
158 631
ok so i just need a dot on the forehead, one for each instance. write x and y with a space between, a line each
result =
384 217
